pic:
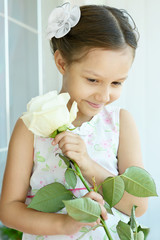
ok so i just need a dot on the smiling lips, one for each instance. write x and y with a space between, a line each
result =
94 105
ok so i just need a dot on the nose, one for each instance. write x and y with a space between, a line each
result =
103 95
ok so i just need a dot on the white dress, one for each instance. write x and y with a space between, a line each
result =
101 136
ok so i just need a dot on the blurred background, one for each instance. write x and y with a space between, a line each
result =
27 69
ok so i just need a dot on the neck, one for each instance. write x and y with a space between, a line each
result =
80 119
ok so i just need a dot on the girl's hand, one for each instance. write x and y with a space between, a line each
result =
74 147
72 226
98 198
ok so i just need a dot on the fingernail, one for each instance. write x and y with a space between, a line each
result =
53 142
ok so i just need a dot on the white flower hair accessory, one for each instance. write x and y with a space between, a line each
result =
61 20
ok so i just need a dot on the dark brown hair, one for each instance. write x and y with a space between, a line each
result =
99 27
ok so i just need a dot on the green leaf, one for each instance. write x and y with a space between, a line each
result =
83 209
139 182
65 159
113 190
71 129
144 230
139 236
71 178
132 221
62 129
107 207
124 231
53 134
50 198
8 233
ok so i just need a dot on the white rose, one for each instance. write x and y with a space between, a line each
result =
48 112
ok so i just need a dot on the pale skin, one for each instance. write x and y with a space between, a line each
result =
91 90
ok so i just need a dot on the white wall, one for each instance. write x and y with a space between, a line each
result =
51 76
19 78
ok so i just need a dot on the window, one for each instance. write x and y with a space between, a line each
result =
19 64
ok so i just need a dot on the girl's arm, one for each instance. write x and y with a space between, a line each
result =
129 154
13 211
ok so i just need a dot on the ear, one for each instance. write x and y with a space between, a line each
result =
60 62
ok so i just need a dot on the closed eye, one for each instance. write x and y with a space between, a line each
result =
91 80
117 83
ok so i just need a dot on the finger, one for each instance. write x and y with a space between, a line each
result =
69 147
103 212
60 136
75 156
93 224
95 196
98 221
68 140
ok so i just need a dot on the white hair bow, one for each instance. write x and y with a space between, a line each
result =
61 20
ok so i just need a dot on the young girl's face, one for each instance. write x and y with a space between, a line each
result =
97 80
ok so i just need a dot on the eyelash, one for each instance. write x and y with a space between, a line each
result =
117 83
91 80
94 81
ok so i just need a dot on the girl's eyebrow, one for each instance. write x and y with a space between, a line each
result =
100 76
93 73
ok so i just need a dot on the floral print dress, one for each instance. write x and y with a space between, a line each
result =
101 136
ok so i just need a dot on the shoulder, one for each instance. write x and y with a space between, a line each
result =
21 134
21 127
126 117
21 147
127 124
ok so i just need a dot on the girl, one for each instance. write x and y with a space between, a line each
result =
94 48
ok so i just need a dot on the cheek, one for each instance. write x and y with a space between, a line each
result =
116 94
81 90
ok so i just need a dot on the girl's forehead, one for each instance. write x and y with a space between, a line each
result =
100 51
103 63
99 56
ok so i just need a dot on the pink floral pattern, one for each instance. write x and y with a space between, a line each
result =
101 136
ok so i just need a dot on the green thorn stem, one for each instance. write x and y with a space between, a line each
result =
81 176
106 229
89 190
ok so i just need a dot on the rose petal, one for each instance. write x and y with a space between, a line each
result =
44 123
36 102
49 112
61 99
73 112
27 118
